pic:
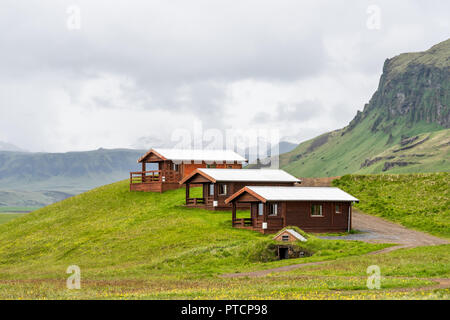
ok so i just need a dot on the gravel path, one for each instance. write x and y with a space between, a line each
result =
376 229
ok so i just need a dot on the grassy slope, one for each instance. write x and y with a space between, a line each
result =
177 252
343 154
420 201
436 56
10 213
111 232
5 217
430 156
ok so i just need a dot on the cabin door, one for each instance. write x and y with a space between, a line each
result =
339 211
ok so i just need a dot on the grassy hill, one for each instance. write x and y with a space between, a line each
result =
111 230
147 245
419 201
411 105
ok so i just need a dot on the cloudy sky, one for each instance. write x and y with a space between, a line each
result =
79 75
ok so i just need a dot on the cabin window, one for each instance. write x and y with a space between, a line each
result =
273 209
175 167
229 166
210 165
222 189
338 208
211 189
285 237
316 210
260 209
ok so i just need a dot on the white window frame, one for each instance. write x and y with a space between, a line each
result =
225 189
260 209
316 215
272 214
336 205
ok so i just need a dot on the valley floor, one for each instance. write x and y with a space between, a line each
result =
403 277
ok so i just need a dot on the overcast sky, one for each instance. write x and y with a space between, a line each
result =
130 73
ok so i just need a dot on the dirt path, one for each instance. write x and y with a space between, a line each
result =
375 230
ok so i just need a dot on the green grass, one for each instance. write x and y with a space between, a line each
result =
422 262
419 201
132 245
345 153
5 217
436 56
110 231
18 209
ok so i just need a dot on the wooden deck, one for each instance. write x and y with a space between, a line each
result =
195 201
274 225
154 180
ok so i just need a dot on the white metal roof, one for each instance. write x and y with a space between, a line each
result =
200 155
302 194
294 233
251 175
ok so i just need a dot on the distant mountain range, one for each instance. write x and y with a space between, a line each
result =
404 128
37 179
4 146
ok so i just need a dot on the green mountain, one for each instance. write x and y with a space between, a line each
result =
38 179
404 127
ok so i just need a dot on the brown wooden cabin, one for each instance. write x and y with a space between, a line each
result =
312 209
174 164
218 185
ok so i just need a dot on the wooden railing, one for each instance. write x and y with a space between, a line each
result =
153 176
243 222
195 201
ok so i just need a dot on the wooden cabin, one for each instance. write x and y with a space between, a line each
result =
174 164
218 185
312 209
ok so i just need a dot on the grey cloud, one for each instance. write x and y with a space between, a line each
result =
291 112
181 56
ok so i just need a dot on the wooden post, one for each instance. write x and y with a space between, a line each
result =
351 213
349 222
203 193
187 193
143 171
233 212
